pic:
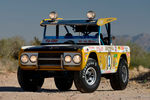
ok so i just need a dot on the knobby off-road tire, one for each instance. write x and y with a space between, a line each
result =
88 79
120 79
28 82
64 82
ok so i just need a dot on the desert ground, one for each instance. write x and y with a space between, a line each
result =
137 89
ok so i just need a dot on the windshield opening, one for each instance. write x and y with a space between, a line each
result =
77 34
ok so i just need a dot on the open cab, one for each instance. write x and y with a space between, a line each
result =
74 50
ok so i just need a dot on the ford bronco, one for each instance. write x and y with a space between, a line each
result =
79 51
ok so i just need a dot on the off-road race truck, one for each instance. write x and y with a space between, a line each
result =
78 51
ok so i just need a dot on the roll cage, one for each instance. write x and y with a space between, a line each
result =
83 26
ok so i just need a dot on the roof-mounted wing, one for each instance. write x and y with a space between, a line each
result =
60 21
67 22
103 21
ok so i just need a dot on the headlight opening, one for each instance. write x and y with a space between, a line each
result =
24 58
33 58
77 59
68 58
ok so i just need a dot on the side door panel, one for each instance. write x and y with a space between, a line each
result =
108 59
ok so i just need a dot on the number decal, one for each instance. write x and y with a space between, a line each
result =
109 62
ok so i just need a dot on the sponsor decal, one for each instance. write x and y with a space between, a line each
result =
108 71
101 48
115 48
98 49
128 54
80 41
101 65
86 57
119 48
128 61
92 48
112 48
116 64
86 41
115 55
107 48
87 49
127 49
51 40
100 59
122 47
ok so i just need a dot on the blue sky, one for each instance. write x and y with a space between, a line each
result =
22 17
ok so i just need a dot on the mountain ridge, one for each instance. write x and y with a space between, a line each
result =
142 39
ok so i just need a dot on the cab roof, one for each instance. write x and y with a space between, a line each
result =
60 21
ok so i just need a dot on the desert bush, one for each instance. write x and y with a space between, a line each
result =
35 41
10 47
139 56
8 65
9 50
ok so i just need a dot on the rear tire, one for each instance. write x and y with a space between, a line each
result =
120 79
28 82
88 79
64 83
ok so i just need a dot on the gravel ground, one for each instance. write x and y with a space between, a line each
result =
10 90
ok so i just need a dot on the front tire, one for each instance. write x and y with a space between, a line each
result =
88 79
27 80
120 79
64 83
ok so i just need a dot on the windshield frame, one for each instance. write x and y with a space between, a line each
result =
77 39
86 40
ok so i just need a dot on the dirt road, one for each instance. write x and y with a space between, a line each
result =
10 90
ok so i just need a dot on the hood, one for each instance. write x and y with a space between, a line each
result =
52 48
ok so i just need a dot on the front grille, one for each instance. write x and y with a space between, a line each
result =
49 55
49 59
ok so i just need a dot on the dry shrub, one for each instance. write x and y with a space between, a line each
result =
8 65
9 49
35 41
139 56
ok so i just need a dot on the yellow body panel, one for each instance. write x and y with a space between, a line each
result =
108 58
103 21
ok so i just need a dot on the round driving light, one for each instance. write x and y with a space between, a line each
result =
53 15
91 14
67 59
33 58
77 59
24 58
